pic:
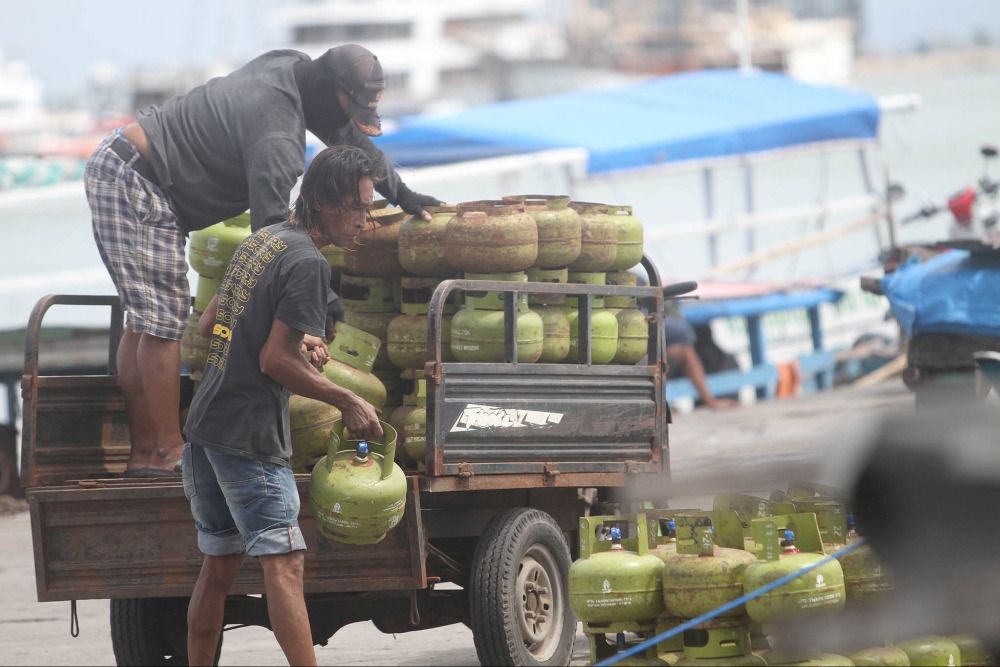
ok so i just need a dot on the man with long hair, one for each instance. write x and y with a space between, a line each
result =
236 463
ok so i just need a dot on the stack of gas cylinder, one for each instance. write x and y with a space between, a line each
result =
387 278
642 575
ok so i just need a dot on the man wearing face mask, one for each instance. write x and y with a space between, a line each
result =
234 143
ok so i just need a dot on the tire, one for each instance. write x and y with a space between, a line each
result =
151 631
519 593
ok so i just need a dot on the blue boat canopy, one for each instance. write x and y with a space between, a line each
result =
665 120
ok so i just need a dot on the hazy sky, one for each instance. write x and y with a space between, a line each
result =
62 40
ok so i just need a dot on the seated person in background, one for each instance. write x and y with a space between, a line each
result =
682 356
683 359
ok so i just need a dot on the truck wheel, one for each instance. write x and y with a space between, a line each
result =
151 631
518 592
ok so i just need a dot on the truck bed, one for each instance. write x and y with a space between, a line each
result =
499 435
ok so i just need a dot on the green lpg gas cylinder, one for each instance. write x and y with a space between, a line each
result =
376 324
817 592
626 279
406 334
352 354
204 291
396 421
194 346
421 243
811 660
629 248
555 322
411 413
662 531
477 328
748 508
370 303
376 251
719 641
931 651
702 575
393 389
555 333
358 492
734 661
554 276
598 237
558 229
867 580
311 425
633 336
211 248
880 656
633 327
336 257
610 583
603 324
369 294
490 236
972 650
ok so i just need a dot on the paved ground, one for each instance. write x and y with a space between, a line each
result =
755 447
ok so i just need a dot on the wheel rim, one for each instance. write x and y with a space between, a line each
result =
539 600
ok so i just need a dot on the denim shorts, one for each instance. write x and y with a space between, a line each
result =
240 504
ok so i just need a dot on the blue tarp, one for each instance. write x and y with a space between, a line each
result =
954 292
664 120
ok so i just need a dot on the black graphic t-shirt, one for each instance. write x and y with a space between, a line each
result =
276 273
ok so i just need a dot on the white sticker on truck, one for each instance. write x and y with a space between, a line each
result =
477 417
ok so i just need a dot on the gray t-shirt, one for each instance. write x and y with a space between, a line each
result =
239 141
276 273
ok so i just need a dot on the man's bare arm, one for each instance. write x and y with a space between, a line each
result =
281 359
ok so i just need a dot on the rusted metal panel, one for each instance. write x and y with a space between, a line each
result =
74 427
491 419
139 540
78 430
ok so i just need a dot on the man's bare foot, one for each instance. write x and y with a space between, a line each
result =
724 404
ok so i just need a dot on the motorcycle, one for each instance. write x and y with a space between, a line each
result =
944 294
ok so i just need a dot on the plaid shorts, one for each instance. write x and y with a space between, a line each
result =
141 243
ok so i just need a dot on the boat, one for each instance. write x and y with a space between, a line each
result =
740 177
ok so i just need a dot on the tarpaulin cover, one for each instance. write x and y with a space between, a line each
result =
954 292
669 119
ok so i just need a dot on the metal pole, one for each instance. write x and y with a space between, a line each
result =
743 19
713 238
750 202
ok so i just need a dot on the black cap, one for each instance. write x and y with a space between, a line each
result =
358 74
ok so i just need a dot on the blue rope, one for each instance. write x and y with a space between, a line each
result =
687 625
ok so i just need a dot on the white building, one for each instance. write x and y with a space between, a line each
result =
22 112
437 53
